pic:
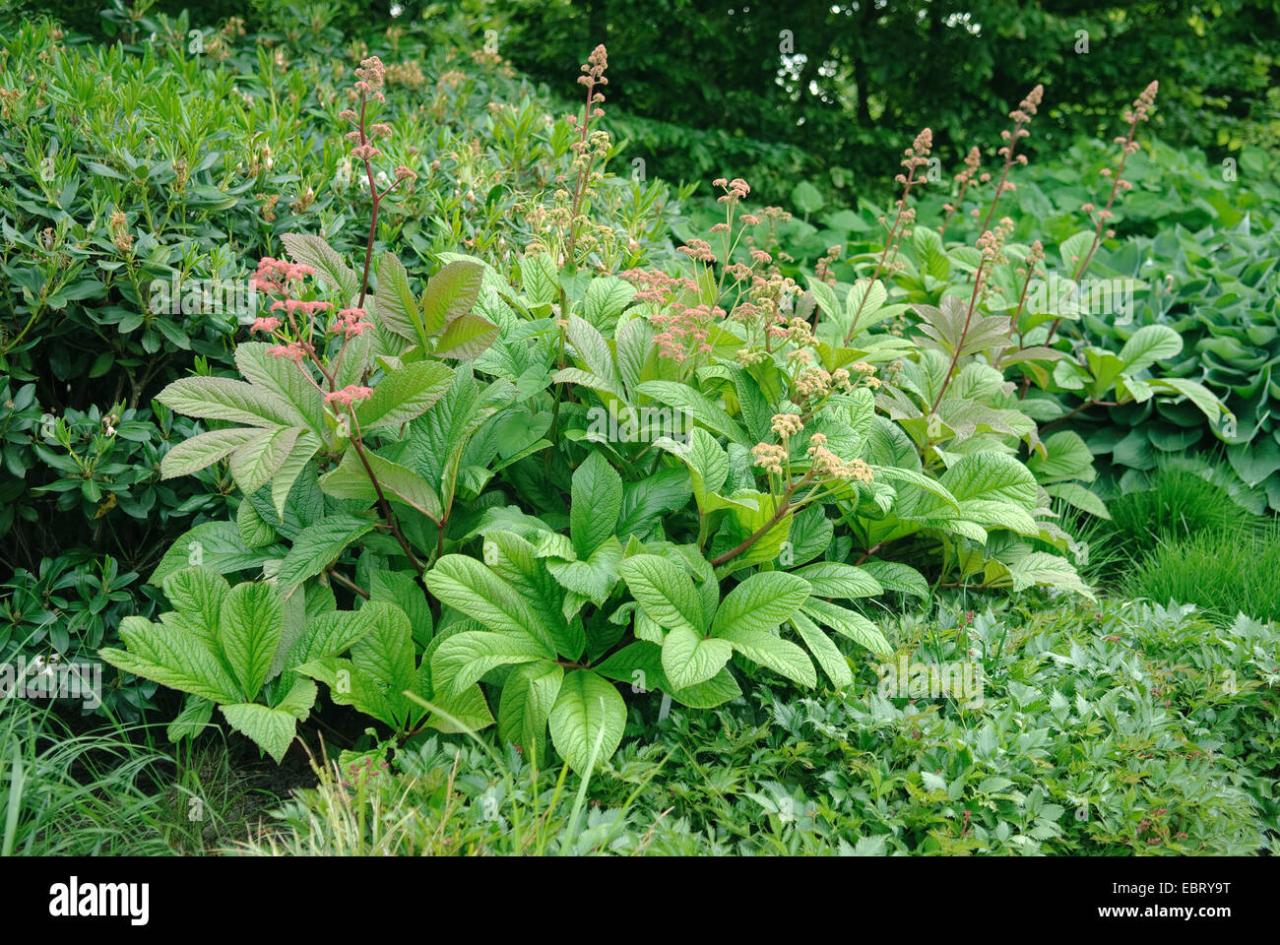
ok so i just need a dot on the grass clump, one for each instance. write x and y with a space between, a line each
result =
1225 572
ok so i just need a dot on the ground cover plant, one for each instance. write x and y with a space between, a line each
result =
384 433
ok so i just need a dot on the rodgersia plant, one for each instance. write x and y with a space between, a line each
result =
309 432
654 479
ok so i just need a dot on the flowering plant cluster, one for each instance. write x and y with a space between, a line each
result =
491 502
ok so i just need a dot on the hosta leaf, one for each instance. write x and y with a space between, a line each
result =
250 626
760 603
587 720
664 592
317 546
688 658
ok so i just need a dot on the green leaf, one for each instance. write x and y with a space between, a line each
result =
254 529
385 654
172 657
272 730
394 305
664 592
250 625
466 337
823 650
285 379
771 651
222 398
849 624
1149 344
191 721
331 269
404 394
469 587
688 659
1067 457
760 603
463 658
198 594
350 480
587 721
203 450
317 546
257 461
596 501
1075 494
528 697
451 293
213 545
703 409
1039 568
991 477
403 590
835 579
